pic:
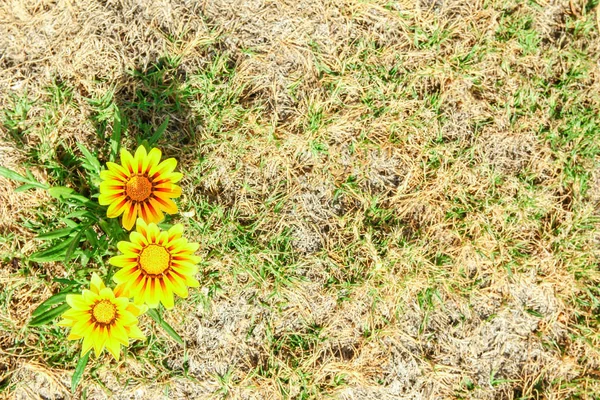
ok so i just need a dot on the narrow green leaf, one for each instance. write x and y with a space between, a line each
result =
49 315
79 369
115 139
54 253
12 175
66 281
93 164
74 244
60 192
82 213
92 237
15 176
55 234
156 317
28 186
159 132
51 301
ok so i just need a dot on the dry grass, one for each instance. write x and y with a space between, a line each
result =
394 199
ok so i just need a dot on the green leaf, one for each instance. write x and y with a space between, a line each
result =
49 315
82 213
159 132
54 253
74 244
92 237
92 164
55 234
26 186
12 175
51 301
29 179
156 317
60 192
66 281
79 369
115 139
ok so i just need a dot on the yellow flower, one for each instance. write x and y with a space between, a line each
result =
102 318
141 186
155 264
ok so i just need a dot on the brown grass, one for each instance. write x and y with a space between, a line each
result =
440 245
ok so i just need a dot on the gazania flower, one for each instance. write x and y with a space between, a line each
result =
102 318
141 186
155 264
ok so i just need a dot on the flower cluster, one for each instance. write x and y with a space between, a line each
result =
154 265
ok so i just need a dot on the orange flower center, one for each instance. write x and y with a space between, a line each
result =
155 259
104 312
138 188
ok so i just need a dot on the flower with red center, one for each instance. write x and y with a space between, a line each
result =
142 186
156 264
102 318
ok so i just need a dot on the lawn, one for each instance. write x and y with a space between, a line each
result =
393 199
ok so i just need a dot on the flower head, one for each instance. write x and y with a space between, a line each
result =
155 264
102 318
142 186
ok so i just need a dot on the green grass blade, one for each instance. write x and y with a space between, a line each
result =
115 139
12 175
28 186
49 315
74 244
156 317
79 369
159 132
54 253
92 165
51 301
60 192
55 234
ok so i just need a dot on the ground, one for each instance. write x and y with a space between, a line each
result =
394 200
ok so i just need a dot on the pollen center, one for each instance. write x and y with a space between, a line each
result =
104 312
155 259
138 188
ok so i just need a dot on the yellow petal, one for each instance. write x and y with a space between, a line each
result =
152 160
175 232
127 162
106 199
129 247
117 170
166 205
150 294
76 301
151 212
126 275
140 155
141 226
178 285
165 167
153 233
129 216
124 260
167 191
117 208
107 294
136 333
166 295
114 347
88 340
138 238
126 318
118 333
96 284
